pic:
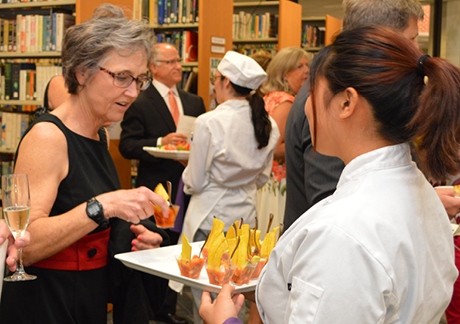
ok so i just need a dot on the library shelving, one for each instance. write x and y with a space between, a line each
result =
318 32
276 24
31 35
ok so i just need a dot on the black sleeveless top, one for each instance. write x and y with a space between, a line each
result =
91 168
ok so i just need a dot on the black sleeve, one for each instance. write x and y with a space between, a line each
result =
134 135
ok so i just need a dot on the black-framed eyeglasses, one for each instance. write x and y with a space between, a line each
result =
124 80
213 78
170 62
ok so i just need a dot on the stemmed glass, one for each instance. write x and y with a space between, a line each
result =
16 208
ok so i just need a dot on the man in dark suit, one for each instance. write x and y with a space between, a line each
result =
311 177
151 121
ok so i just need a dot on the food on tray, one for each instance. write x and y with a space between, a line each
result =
457 189
217 228
189 266
238 256
219 267
180 146
162 221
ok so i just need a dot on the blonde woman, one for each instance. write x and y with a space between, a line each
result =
287 72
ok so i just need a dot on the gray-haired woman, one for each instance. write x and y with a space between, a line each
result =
73 180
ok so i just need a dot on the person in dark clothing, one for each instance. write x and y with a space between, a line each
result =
75 192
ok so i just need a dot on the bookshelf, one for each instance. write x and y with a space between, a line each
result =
326 29
283 25
28 37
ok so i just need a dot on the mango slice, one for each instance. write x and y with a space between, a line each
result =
186 253
160 190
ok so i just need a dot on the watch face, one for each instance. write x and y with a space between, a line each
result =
93 208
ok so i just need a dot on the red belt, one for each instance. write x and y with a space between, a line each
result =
88 253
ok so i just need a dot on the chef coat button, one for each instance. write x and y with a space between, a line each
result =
92 253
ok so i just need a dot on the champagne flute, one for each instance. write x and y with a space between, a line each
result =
16 208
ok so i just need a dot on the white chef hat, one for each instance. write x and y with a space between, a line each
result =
242 70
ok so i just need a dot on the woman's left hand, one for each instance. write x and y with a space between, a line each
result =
224 306
145 239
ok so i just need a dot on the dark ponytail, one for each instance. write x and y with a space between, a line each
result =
260 119
388 71
437 120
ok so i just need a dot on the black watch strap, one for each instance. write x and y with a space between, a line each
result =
95 211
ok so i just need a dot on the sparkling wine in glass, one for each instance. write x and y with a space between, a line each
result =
16 208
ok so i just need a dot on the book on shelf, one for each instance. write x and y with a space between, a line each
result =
191 82
190 46
15 69
7 79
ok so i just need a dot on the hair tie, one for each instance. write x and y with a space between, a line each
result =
420 63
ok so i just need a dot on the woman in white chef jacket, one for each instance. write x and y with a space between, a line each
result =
231 150
380 249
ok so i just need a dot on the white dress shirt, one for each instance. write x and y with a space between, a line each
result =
225 167
379 250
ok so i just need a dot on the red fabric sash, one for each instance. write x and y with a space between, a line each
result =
88 253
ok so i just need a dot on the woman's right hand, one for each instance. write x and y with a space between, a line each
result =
132 205
13 245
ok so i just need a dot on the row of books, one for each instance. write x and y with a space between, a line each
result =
161 12
253 26
186 43
25 80
313 36
34 33
13 127
249 49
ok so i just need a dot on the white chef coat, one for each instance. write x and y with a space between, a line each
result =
379 250
225 167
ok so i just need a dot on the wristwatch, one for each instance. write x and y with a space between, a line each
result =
95 211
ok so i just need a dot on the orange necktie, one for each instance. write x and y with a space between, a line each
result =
173 105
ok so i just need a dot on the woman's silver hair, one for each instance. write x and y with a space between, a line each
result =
108 10
284 61
88 44
394 14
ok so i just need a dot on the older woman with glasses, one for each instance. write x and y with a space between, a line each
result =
74 185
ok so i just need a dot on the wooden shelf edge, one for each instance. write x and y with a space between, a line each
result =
190 64
256 40
319 18
312 49
30 54
37 4
174 26
256 4
21 102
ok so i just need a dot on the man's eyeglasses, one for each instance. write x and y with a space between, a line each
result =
170 62
124 80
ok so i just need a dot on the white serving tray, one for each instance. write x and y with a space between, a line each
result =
162 263
167 154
